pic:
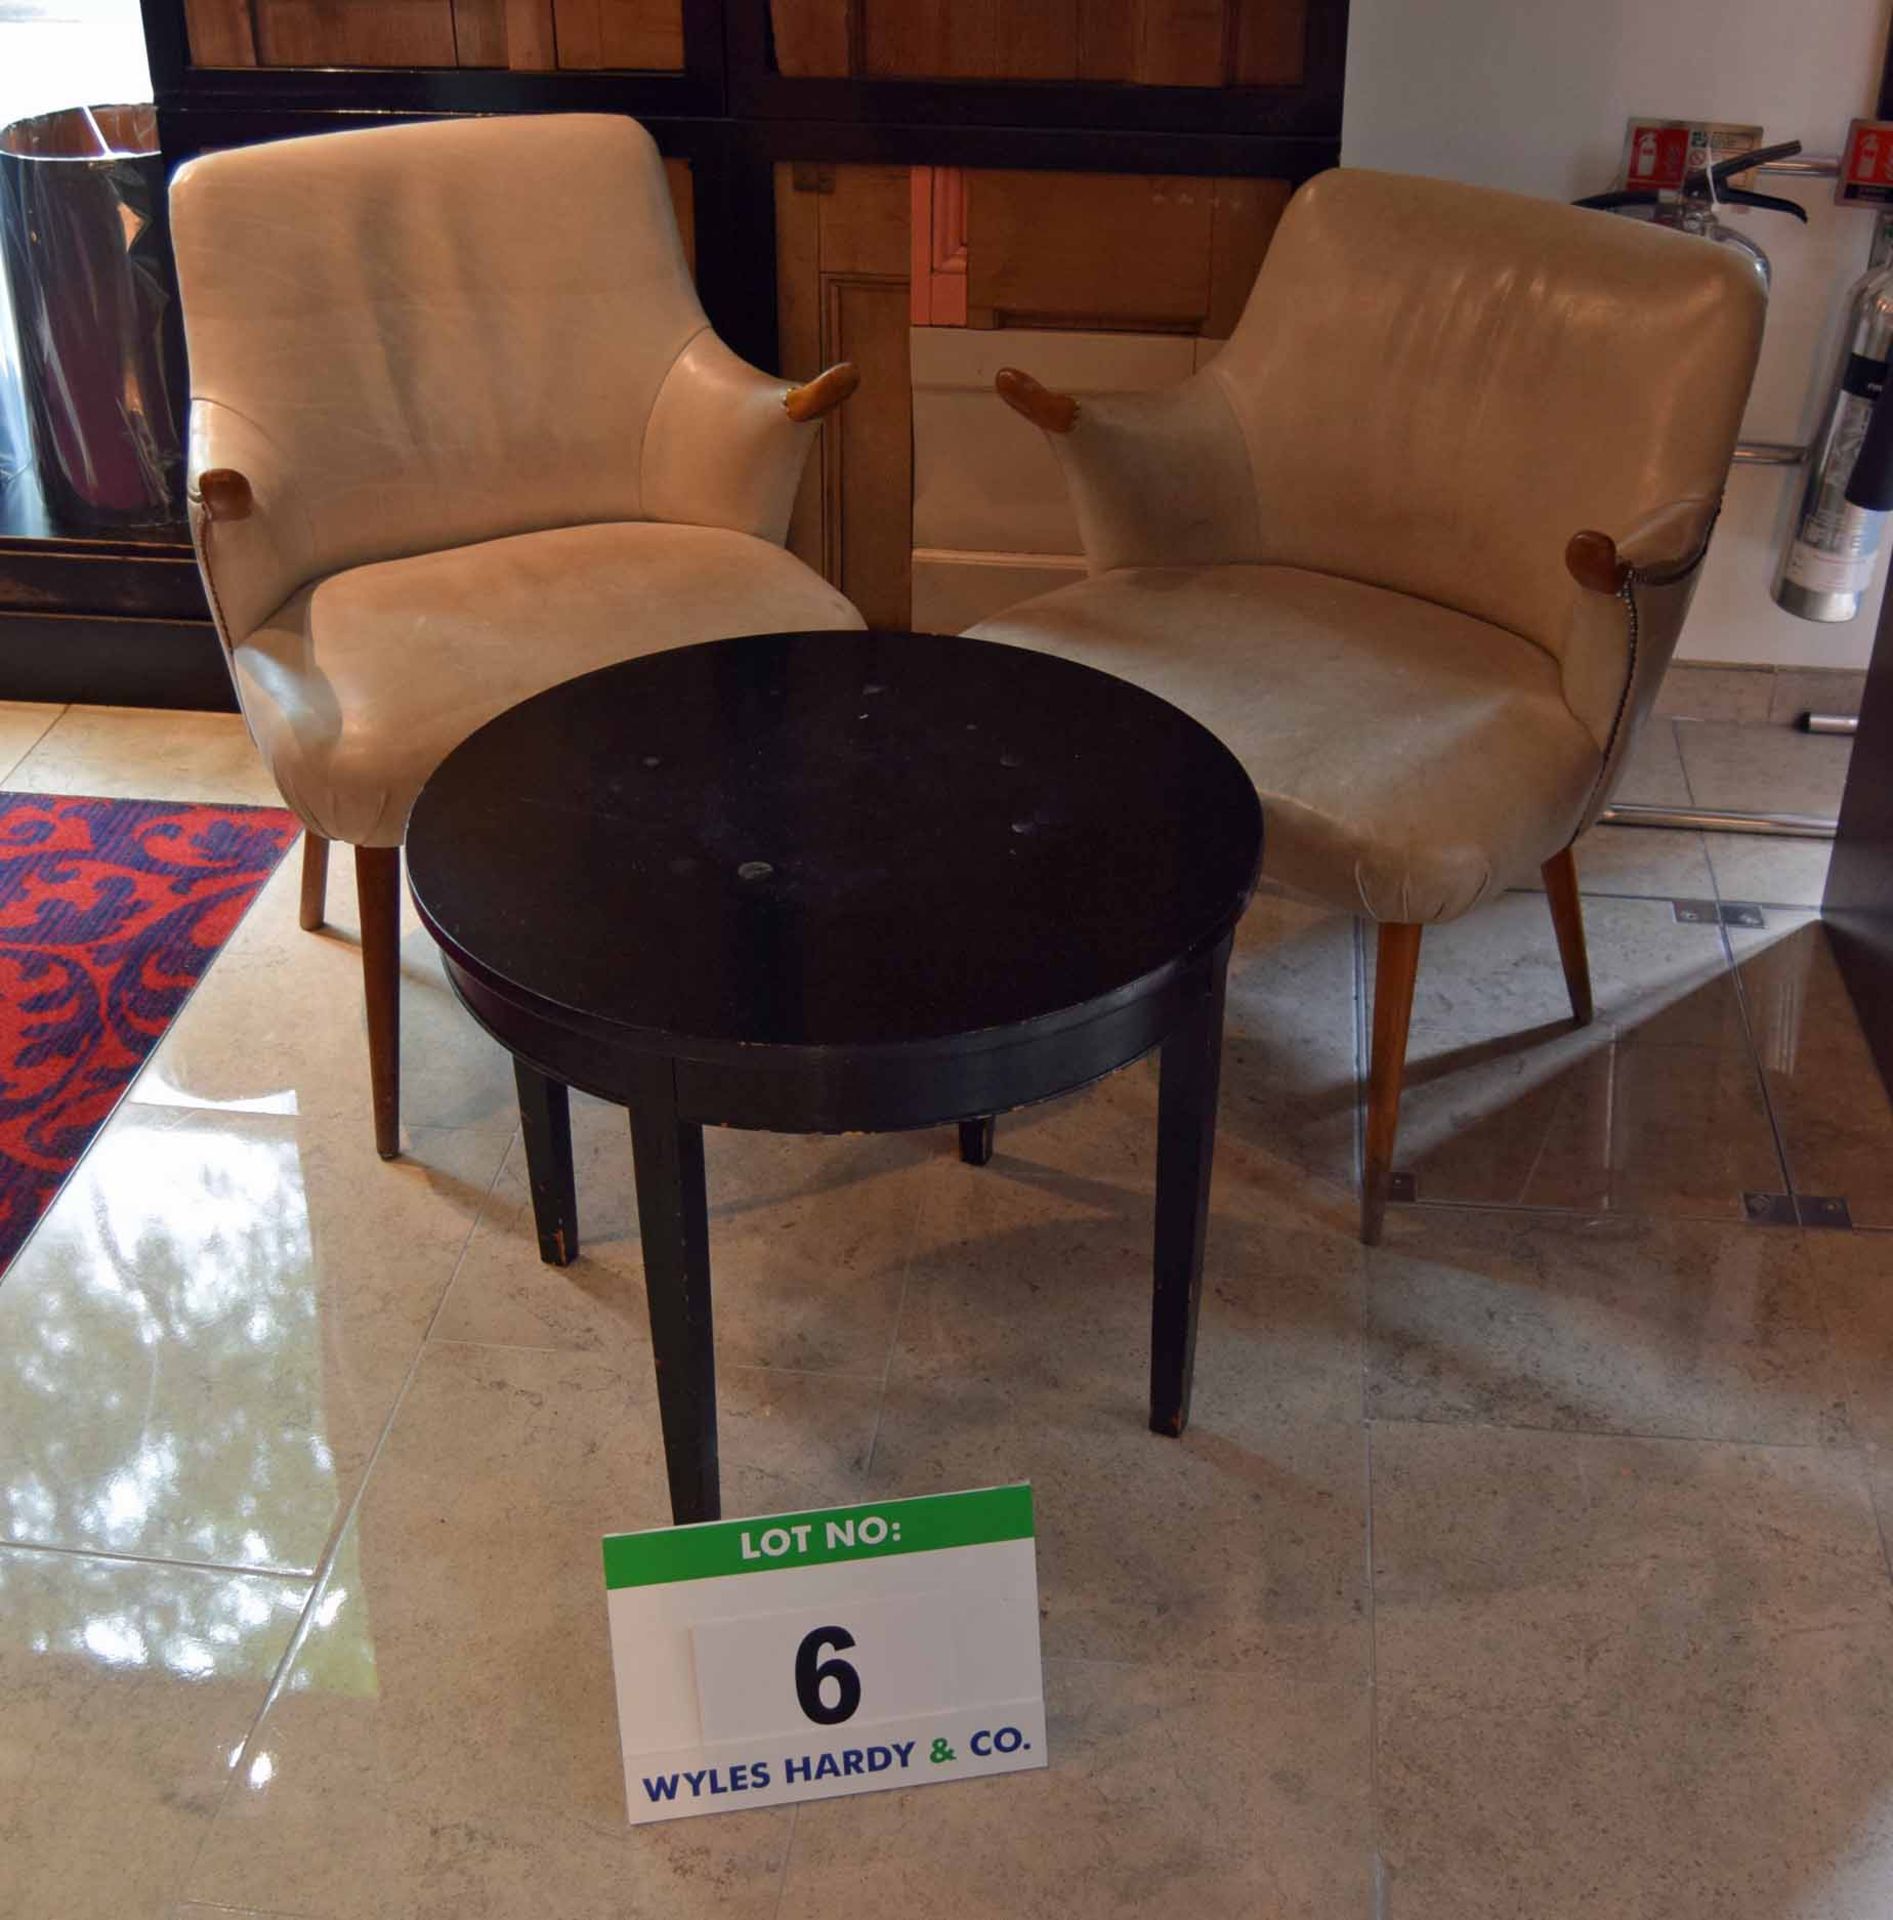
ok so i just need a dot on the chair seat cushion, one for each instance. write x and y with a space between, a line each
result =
358 687
1411 760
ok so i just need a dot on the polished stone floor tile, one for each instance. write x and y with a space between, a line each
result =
1767 871
1239 1546
1828 1100
200 1345
23 724
1765 1799
1714 693
1291 1054
1613 1324
809 1239
1854 1275
125 1690
134 753
1799 690
1518 1570
1653 769
1220 1796
1654 1108
446 1741
1763 769
1658 863
1629 1677
1035 1270
279 1026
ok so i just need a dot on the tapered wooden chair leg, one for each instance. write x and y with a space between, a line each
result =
315 880
1567 916
1398 965
378 888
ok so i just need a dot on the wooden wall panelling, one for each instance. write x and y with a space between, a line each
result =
683 200
1176 43
1271 43
1088 250
799 340
970 39
626 34
817 38
843 254
479 33
1241 228
1182 43
355 33
1110 39
531 36
221 33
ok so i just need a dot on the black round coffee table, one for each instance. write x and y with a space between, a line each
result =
835 883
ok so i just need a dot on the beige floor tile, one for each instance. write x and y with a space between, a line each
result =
126 1690
203 1340
446 1743
1291 1054
1169 1793
278 1026
1833 1111
1854 1273
1654 1108
1715 693
1764 1799
1611 1324
1768 871
23 724
1651 862
1629 1677
809 1240
1239 1546
1799 690
1035 1271
136 753
1653 769
1763 769
1515 1570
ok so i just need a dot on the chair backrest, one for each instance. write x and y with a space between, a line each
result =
444 332
1440 384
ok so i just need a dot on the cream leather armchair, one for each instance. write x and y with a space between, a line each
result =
460 431
1417 544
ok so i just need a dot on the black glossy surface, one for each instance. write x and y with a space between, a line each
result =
833 840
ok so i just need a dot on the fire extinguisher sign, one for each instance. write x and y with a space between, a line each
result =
1866 165
1660 154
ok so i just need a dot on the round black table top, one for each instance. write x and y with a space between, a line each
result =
820 840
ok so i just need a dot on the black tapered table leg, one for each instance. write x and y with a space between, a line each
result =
545 1125
1188 1076
976 1141
673 1220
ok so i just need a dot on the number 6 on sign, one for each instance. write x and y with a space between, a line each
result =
806 1655
811 1670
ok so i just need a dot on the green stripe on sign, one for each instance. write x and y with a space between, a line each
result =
779 1540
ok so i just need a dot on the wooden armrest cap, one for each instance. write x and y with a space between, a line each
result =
225 493
1593 561
823 394
1053 412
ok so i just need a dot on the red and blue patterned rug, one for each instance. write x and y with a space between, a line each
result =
110 911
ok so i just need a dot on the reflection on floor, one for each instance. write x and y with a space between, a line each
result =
1529 1566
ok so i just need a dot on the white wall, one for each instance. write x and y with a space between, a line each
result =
1533 95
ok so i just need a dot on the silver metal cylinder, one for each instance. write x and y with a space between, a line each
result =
1783 826
1829 561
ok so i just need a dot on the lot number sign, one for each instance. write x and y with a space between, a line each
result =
804 1655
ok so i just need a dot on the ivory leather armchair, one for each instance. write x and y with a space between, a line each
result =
460 431
1417 544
